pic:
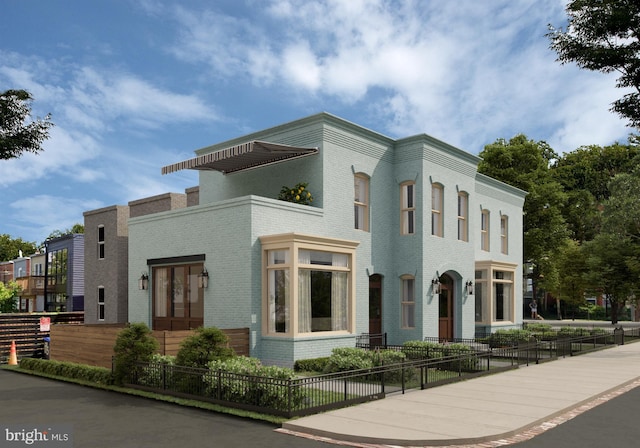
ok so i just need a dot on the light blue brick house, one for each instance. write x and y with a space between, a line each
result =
403 237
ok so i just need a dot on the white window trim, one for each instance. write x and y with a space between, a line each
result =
293 242
101 245
504 234
488 308
485 237
463 218
362 204
101 304
407 213
405 304
437 214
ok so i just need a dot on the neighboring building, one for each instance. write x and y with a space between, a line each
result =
64 272
6 271
31 278
403 237
106 265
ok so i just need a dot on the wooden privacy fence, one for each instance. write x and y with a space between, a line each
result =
93 344
24 329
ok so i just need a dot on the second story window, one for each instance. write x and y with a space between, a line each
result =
361 202
463 214
436 210
101 242
408 301
504 234
408 208
484 230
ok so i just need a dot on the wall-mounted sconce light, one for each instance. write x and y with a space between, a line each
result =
435 283
203 279
143 281
469 285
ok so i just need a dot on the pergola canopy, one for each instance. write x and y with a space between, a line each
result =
242 157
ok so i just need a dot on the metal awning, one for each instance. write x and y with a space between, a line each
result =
241 157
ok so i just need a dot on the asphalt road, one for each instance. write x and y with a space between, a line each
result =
613 424
101 419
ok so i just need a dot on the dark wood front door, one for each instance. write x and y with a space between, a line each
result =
375 309
445 311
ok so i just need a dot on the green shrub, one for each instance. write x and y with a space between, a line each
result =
155 374
539 327
345 359
92 374
246 380
502 338
206 345
134 344
423 350
311 365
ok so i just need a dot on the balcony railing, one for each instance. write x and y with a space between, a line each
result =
32 285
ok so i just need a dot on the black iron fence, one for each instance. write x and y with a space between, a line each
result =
423 367
307 395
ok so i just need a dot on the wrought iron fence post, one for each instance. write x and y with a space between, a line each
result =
346 383
219 385
402 377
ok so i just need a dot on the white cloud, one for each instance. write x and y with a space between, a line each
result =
466 72
42 214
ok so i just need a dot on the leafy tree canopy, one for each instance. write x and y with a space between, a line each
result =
76 228
8 294
602 35
524 164
17 135
10 248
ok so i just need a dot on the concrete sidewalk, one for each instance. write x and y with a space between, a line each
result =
483 409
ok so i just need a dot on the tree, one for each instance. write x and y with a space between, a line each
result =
585 175
10 248
204 346
572 285
134 344
76 228
622 210
8 295
16 134
525 164
611 271
602 35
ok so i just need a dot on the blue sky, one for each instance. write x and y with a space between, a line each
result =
133 85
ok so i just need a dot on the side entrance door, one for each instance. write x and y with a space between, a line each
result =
375 309
445 303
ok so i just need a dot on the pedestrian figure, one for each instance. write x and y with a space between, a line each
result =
534 309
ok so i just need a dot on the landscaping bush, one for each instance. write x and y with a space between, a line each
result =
206 345
246 380
345 359
155 375
469 362
311 365
508 338
92 374
134 344
423 350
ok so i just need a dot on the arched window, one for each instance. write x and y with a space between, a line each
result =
408 208
361 201
437 219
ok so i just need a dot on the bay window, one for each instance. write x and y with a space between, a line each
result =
494 292
309 286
